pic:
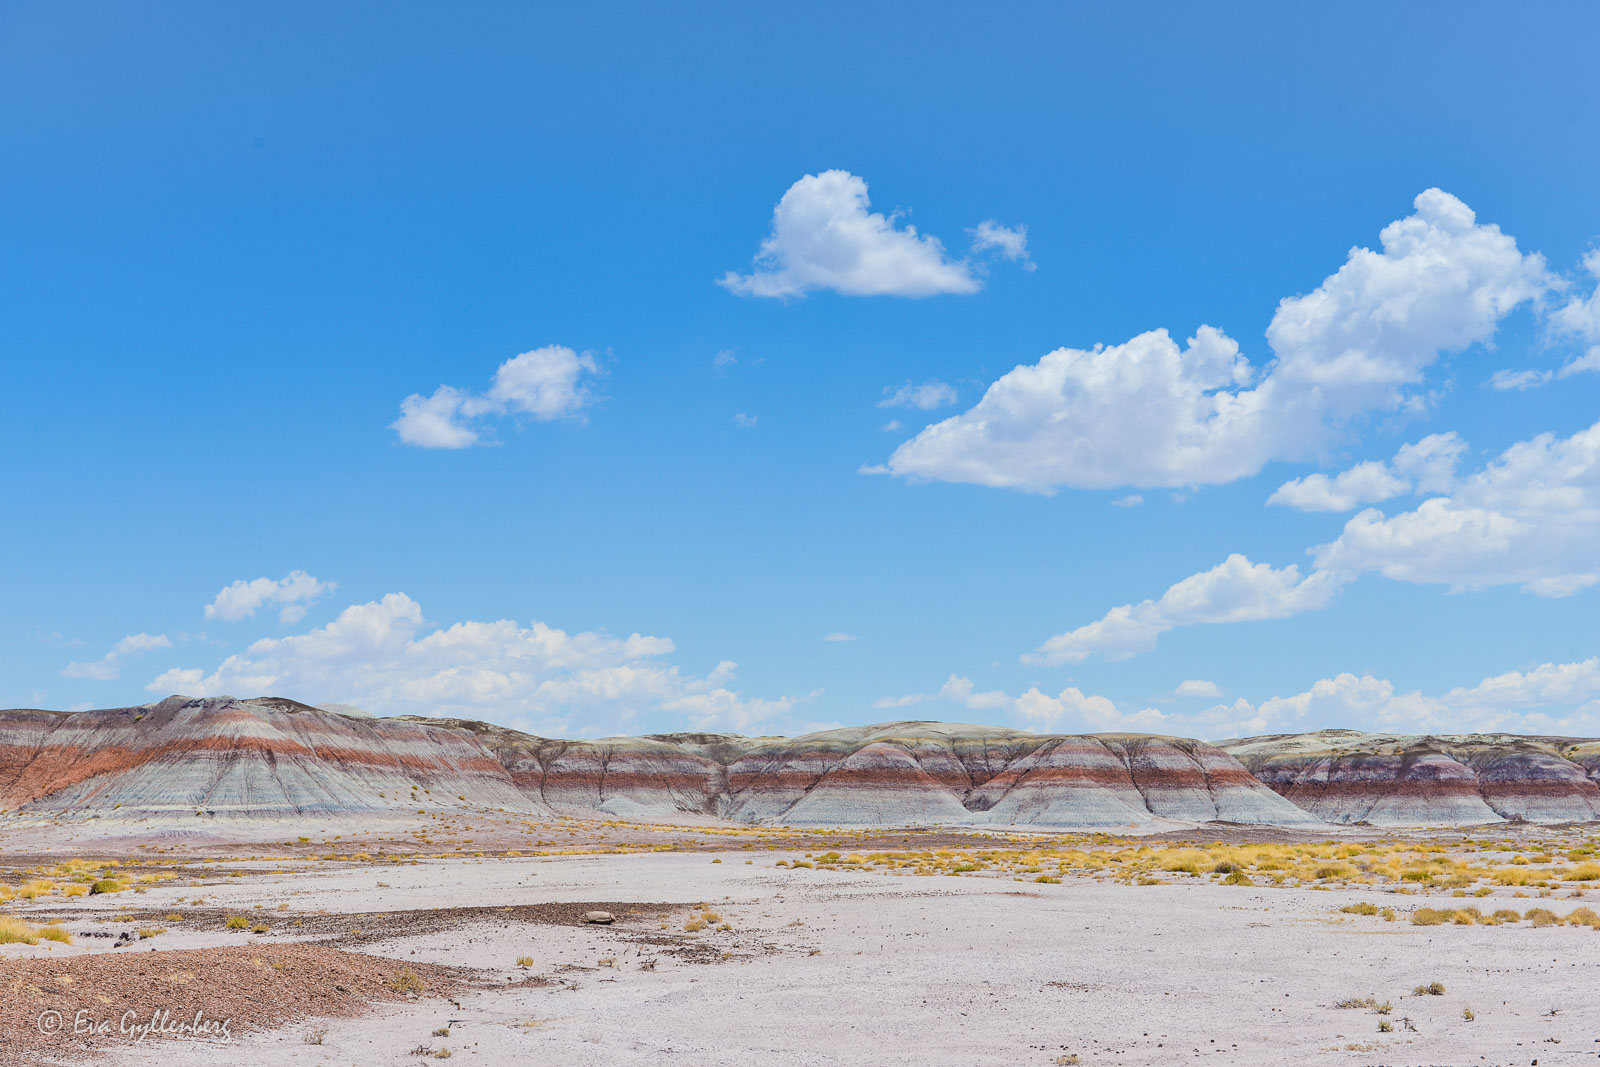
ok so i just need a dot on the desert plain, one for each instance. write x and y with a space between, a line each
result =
368 942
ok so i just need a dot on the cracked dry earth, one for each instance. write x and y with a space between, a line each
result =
833 967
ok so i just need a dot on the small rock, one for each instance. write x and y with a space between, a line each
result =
603 917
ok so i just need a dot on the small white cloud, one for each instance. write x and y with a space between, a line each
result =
924 397
890 427
825 237
745 421
294 593
1198 687
1009 241
1518 380
545 383
109 666
838 635
724 359
1235 590
1365 483
1588 363
1429 465
1506 380
1132 500
434 421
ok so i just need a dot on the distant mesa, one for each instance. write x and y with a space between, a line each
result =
273 757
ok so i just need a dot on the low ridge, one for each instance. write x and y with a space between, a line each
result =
271 756
1346 776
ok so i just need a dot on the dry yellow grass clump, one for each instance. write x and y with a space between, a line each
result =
14 931
407 981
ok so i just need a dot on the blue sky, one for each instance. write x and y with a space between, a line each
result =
671 264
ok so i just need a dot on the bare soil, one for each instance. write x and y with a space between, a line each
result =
252 988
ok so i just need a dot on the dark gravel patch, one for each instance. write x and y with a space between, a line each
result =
251 987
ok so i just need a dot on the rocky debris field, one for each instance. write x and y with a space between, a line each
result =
250 988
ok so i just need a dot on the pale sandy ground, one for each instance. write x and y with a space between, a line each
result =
830 967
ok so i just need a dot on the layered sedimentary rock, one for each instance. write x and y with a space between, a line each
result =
1345 776
274 757
619 775
256 757
901 774
270 756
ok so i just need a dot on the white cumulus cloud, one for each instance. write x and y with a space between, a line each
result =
825 236
1552 698
1152 413
1069 709
1549 698
293 594
1365 483
383 656
1235 590
1530 517
1425 466
546 383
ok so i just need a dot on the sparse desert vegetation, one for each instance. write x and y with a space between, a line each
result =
406 981
1425 885
14 931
